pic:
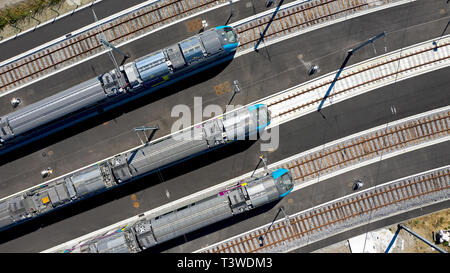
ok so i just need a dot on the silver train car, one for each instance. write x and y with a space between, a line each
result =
125 167
148 232
135 79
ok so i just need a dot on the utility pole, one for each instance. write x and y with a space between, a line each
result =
143 129
46 172
445 29
231 12
236 89
261 159
103 40
349 54
261 37
399 227
107 44
261 238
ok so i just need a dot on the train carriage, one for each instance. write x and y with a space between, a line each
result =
128 166
150 231
111 89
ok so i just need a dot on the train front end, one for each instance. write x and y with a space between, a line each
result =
283 181
228 38
260 115
270 188
246 122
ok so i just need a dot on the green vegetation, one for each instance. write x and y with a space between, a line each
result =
16 12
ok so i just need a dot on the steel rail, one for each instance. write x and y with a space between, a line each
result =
371 145
291 19
362 75
323 218
121 29
86 43
296 18
436 121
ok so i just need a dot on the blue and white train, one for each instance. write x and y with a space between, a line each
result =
135 79
147 232
128 166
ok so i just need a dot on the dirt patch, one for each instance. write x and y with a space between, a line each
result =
425 226
45 15
405 242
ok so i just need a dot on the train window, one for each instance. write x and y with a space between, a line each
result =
182 208
285 182
165 214
228 35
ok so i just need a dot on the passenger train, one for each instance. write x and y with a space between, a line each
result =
133 80
239 124
150 231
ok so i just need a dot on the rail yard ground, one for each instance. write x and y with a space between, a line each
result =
278 68
47 14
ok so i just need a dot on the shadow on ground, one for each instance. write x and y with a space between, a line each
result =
126 189
111 114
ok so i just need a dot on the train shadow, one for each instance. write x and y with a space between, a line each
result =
126 189
212 228
113 113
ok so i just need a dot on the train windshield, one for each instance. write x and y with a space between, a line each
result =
285 183
263 116
228 35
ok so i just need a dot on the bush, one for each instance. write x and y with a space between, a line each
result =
3 22
17 12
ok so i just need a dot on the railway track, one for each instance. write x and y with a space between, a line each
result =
354 80
81 46
315 224
395 137
337 216
360 78
298 17
74 49
318 163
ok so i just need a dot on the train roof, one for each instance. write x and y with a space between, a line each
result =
279 172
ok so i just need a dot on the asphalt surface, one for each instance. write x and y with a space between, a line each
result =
136 49
327 190
343 119
273 69
62 27
397 219
260 74
65 153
